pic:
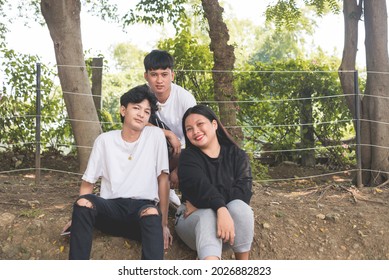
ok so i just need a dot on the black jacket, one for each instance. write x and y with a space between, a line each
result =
213 182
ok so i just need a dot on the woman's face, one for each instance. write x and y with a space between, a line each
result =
200 131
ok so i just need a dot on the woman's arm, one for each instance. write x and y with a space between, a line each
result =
242 186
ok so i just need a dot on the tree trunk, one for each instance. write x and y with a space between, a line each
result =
352 12
377 88
63 20
374 104
224 59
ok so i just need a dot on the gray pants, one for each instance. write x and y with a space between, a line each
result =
199 230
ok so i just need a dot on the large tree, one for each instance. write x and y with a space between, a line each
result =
224 59
374 102
63 20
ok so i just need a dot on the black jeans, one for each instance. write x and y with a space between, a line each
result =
118 217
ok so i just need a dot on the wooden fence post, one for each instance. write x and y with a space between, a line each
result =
97 77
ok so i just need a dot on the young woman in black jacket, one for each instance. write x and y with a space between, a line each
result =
215 181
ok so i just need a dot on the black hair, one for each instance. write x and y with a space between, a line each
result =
137 95
222 135
158 59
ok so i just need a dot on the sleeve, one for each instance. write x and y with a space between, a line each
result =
242 186
161 152
194 183
94 168
190 100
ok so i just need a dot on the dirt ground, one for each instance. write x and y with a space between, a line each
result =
323 218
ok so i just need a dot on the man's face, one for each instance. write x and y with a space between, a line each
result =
160 81
136 115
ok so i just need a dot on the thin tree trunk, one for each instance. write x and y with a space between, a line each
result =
224 59
352 11
63 20
377 87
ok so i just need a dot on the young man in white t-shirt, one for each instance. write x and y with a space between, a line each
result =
173 101
133 166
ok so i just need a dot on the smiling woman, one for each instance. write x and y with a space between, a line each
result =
215 181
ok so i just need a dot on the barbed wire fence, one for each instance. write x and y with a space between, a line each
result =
356 121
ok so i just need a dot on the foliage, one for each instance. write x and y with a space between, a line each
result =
18 105
259 171
103 9
114 85
283 43
246 37
273 94
129 73
31 213
288 12
129 58
157 12
193 62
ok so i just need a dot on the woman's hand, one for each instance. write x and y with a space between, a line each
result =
173 178
225 225
167 237
189 209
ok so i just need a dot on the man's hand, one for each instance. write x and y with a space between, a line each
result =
167 237
67 226
174 141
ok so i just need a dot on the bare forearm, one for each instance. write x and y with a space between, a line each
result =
163 192
86 188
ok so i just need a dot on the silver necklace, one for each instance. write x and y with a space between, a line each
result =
132 150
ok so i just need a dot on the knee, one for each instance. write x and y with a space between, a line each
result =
84 201
149 211
239 208
150 218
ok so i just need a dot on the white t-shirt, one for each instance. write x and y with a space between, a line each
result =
174 108
121 177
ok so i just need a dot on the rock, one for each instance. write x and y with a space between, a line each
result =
265 225
33 203
35 228
361 233
23 201
333 217
321 216
6 219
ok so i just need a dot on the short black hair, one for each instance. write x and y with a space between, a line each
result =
137 95
158 59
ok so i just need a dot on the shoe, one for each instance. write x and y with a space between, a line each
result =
173 198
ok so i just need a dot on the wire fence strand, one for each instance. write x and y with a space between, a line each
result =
73 145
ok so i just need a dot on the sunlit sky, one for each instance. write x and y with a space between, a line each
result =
99 36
